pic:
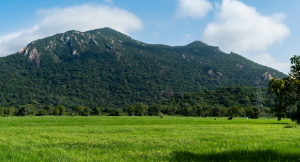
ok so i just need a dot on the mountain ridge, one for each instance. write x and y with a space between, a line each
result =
110 69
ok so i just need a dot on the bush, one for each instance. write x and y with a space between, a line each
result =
27 110
161 115
48 109
79 110
141 109
86 111
291 125
116 112
61 108
9 111
43 112
96 111
1 111
56 112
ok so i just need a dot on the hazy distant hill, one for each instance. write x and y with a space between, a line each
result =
107 68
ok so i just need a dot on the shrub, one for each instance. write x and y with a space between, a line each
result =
43 112
291 125
61 108
56 112
27 110
116 112
79 110
86 111
141 109
48 109
96 111
161 115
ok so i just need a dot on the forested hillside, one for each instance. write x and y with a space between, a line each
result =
224 96
216 102
109 69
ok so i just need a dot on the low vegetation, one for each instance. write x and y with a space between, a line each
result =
146 139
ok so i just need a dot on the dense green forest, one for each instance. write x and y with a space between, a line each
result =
109 69
217 102
233 100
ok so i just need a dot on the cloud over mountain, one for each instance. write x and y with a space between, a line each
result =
240 28
267 60
83 18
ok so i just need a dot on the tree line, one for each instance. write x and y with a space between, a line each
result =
139 109
230 100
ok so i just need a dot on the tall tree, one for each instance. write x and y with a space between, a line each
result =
141 109
48 108
62 110
96 111
79 110
86 111
10 111
287 90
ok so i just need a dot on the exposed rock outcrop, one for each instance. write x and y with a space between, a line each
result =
74 52
118 55
65 39
220 74
266 76
35 56
22 50
216 49
91 37
27 51
240 66
210 73
33 53
167 93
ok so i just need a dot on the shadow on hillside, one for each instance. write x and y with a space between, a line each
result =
242 156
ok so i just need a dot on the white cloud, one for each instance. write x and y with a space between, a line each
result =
193 8
267 60
58 20
240 28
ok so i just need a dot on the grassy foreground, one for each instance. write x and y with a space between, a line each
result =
146 139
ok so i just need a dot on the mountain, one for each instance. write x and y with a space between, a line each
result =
107 68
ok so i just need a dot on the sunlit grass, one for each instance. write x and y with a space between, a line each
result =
146 139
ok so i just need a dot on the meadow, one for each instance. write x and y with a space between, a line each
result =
130 138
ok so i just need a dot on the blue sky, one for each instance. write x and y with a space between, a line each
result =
266 31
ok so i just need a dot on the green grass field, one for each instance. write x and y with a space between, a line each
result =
147 139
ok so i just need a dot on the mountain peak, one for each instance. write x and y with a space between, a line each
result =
201 44
197 43
76 42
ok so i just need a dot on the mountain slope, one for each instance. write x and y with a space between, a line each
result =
107 68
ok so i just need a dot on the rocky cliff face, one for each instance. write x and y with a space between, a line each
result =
266 76
210 73
32 54
77 43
